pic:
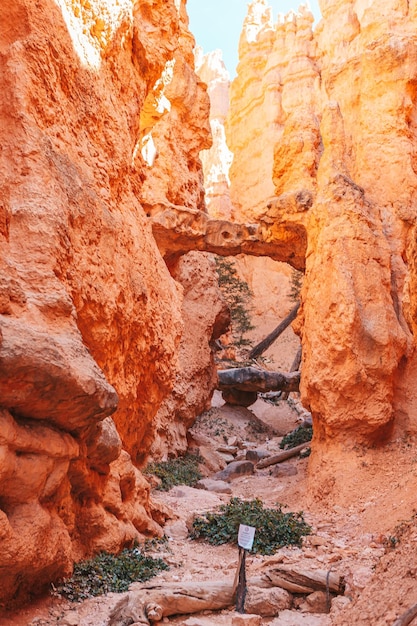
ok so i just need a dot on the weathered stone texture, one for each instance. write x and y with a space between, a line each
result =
205 316
329 118
102 119
218 159
90 317
359 223
276 77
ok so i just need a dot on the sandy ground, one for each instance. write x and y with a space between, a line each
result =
361 540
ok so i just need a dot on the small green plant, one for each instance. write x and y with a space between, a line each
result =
108 572
274 528
180 471
302 434
238 297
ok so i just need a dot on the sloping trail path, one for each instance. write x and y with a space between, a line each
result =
336 543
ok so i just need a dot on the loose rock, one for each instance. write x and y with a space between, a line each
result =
234 470
284 469
218 486
246 620
257 454
267 602
176 530
316 602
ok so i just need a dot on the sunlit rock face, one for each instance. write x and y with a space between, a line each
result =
218 159
90 316
329 118
175 123
205 318
360 224
268 280
276 74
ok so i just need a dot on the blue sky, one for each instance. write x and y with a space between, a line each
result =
218 23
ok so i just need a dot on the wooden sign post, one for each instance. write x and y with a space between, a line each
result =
245 541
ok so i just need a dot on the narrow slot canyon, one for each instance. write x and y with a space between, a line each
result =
218 272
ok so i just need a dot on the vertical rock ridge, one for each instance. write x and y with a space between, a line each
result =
323 122
90 317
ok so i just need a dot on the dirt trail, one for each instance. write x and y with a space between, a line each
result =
342 539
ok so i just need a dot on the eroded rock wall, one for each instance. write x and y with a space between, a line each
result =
328 116
361 220
205 315
276 76
218 158
90 316
268 280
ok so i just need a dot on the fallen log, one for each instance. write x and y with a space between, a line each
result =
273 336
154 602
145 604
407 617
296 580
282 456
253 379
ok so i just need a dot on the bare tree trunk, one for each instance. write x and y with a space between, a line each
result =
273 336
294 368
296 580
282 456
407 617
144 604
153 602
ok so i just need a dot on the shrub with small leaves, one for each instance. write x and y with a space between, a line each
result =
181 471
274 528
300 435
238 296
108 572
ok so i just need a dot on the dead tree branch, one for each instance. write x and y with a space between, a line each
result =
282 456
145 604
296 580
154 602
273 336
407 617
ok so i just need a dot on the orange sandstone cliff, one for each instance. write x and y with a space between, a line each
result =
268 280
96 127
102 121
322 126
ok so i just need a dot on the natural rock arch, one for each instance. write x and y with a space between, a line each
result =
177 230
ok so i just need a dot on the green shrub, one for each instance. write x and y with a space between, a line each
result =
181 471
302 434
238 296
274 529
108 572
